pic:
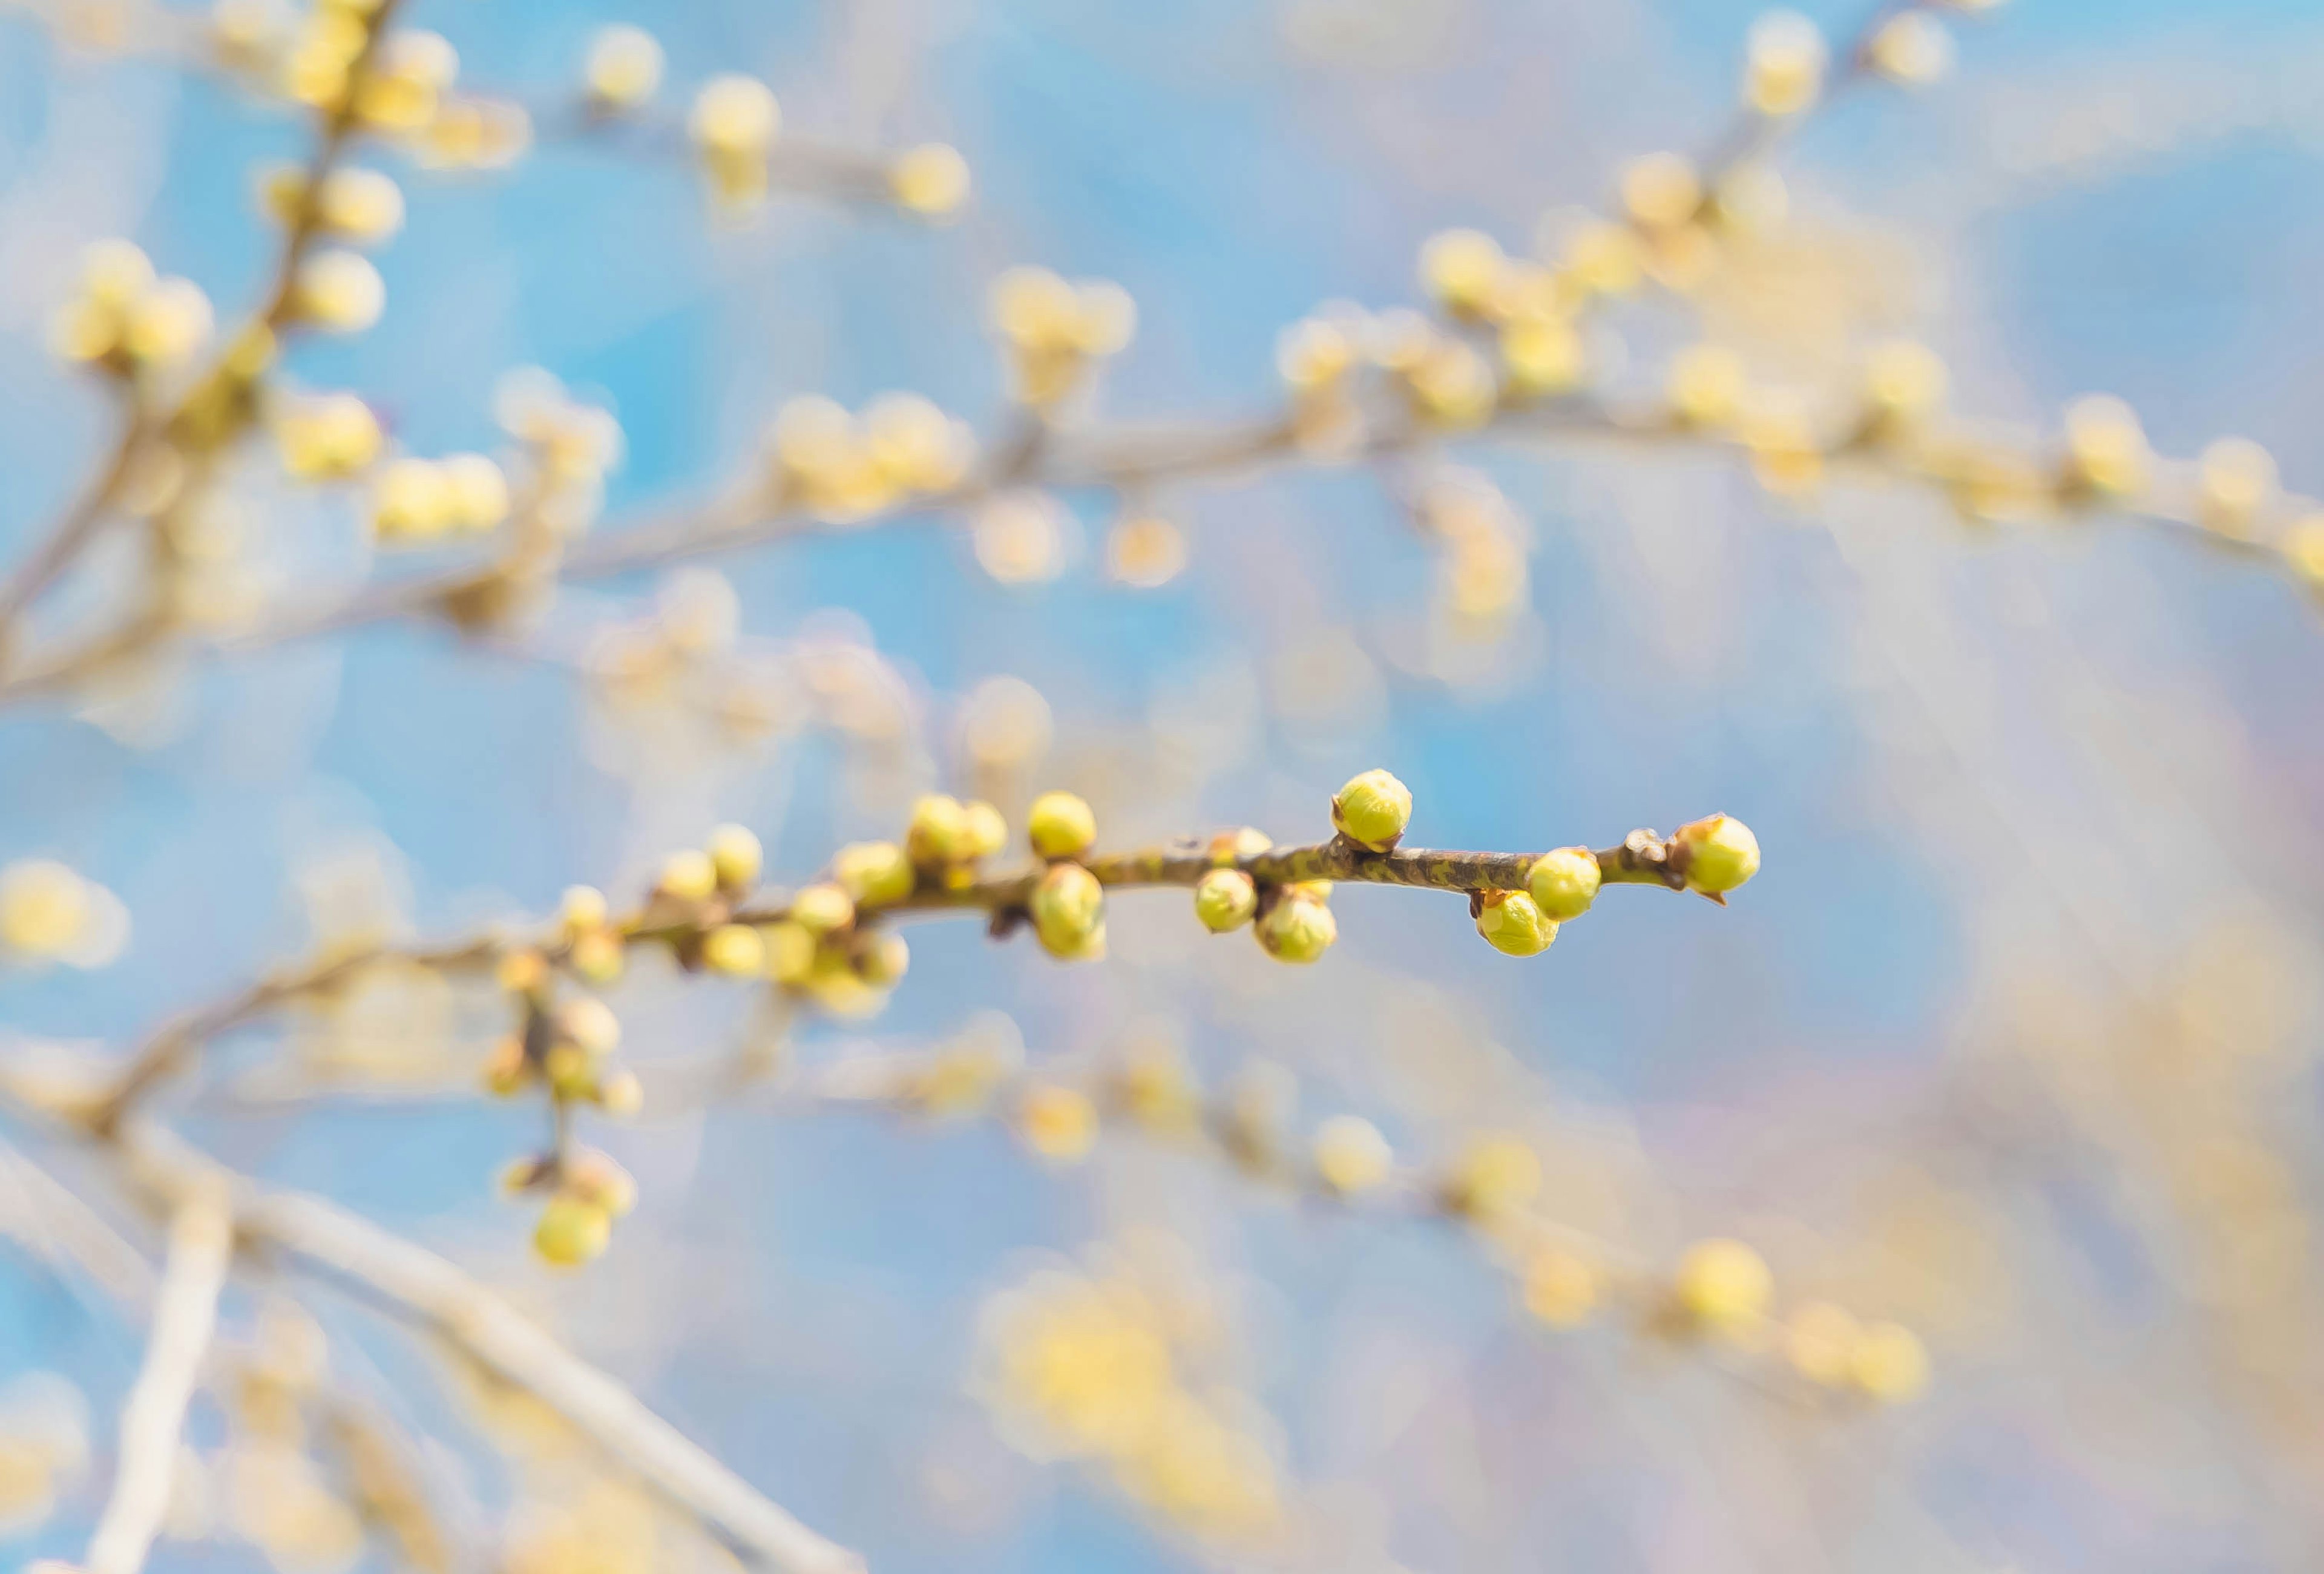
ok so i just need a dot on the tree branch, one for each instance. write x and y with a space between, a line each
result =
184 1314
424 1289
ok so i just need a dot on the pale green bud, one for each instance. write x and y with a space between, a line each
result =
939 834
1563 883
735 857
1061 825
1225 899
1718 853
986 833
821 908
874 874
572 1230
1512 924
1068 908
1372 810
882 960
1299 927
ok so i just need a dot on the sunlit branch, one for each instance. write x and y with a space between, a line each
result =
184 1314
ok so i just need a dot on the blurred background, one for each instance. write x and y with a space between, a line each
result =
2013 1042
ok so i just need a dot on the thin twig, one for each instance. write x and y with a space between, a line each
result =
424 1288
184 1313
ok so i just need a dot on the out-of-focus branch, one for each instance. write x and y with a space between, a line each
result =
184 1313
423 1287
72 535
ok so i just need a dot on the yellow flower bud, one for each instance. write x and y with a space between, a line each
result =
622 1095
931 180
2235 481
1299 927
1512 924
1543 355
1144 552
1495 1177
874 874
1462 269
167 323
113 273
735 950
688 875
1661 190
597 956
362 205
986 833
735 857
883 960
1061 825
1057 1123
1563 883
1350 1155
573 1231
1912 49
476 491
1818 1340
1560 1288
44 906
2304 548
1718 853
1707 384
1888 1363
326 437
914 445
623 70
1225 899
938 832
410 501
2106 446
1068 908
1724 1286
582 909
591 1025
521 972
506 1071
1372 810
734 116
1786 57
1315 354
790 952
821 910
339 292
594 1177
1903 381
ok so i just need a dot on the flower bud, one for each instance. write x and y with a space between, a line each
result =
1372 810
931 180
591 1024
506 1071
1723 1285
1068 909
1512 925
623 68
1719 853
882 961
583 909
1299 927
1225 899
1494 1178
689 876
572 1230
1560 1288
594 1177
1350 1155
735 950
735 857
822 908
986 833
874 874
1563 883
1061 825
622 1095
790 952
939 834
1057 1123
1888 1363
